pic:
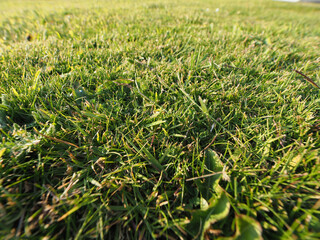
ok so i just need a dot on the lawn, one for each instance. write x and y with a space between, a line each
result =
159 119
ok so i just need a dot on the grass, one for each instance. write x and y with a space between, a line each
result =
159 119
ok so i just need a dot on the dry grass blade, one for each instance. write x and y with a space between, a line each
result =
308 79
56 139
212 141
203 176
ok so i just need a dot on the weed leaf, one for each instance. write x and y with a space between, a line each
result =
247 228
210 184
202 219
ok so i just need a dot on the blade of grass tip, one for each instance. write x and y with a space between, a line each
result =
36 80
150 158
74 209
308 79
212 118
138 89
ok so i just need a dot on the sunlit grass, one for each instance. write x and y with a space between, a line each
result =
153 119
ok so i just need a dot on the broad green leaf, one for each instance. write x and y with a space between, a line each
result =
210 184
202 219
215 165
203 204
247 228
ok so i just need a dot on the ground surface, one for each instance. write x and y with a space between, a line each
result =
159 119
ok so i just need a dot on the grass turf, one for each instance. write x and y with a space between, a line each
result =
159 119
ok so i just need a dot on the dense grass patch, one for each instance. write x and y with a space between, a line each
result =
159 119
